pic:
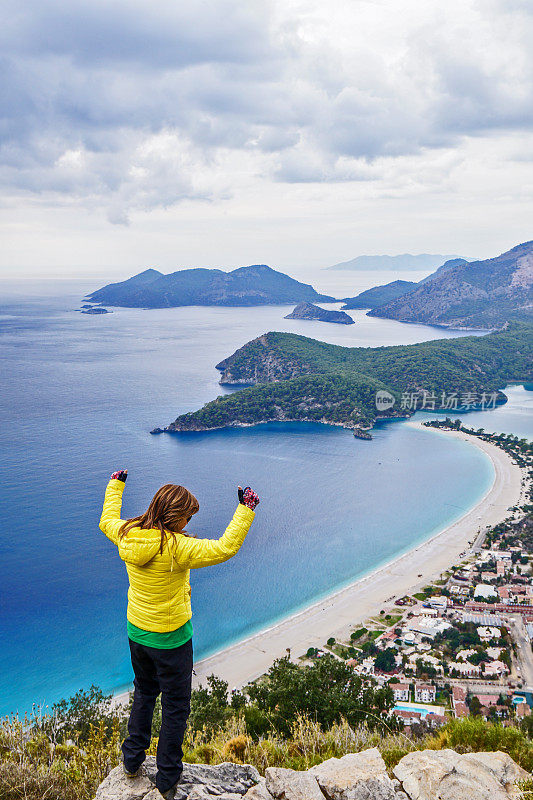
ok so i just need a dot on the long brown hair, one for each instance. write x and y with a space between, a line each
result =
169 505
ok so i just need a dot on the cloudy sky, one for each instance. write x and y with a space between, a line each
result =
297 133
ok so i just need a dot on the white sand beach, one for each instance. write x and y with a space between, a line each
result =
337 614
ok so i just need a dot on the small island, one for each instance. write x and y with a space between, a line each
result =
309 311
86 309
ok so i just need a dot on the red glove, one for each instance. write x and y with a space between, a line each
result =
121 475
247 497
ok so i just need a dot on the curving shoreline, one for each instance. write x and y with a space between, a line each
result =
338 613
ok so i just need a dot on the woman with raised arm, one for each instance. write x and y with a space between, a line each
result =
159 553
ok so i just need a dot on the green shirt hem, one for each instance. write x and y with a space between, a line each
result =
162 641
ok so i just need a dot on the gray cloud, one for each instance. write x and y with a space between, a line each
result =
128 105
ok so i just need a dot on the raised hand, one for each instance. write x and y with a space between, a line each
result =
120 475
247 497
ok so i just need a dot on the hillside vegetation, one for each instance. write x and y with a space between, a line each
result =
298 378
295 717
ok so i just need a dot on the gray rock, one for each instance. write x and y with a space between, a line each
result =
500 765
225 781
118 787
447 775
422 775
198 793
258 792
230 796
356 776
204 793
288 784
218 779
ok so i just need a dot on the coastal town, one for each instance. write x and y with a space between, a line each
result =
463 644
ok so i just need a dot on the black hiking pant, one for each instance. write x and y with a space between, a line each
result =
169 673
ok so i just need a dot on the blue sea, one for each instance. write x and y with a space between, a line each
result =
80 395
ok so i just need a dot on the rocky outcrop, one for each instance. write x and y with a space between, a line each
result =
94 310
447 775
288 784
260 361
359 433
312 312
355 776
226 781
422 775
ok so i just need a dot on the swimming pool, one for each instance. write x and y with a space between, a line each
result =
422 708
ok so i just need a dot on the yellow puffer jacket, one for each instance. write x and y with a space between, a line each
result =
159 597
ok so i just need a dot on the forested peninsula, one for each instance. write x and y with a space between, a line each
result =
295 378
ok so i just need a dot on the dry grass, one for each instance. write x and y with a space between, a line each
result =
35 766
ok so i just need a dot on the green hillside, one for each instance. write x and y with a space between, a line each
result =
298 378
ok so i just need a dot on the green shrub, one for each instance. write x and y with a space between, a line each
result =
474 734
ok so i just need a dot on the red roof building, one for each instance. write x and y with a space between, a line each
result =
460 710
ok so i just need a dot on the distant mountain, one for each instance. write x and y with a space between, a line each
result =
310 311
380 295
246 286
405 261
479 294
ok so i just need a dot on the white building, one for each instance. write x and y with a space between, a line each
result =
439 603
458 589
485 591
400 691
482 619
496 668
463 668
427 660
501 555
463 655
427 626
367 666
424 693
487 633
